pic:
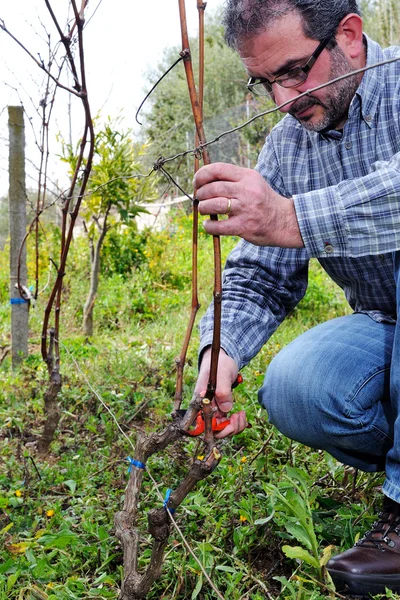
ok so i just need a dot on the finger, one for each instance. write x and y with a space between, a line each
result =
202 380
217 172
225 227
224 404
217 189
223 396
238 423
227 373
223 400
216 206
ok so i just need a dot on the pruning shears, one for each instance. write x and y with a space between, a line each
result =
199 426
238 381
216 426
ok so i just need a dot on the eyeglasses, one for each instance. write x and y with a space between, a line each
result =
263 86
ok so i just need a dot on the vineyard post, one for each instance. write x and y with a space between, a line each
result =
17 214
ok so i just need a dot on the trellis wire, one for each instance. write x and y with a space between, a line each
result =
199 148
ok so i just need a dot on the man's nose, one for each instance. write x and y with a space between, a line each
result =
282 95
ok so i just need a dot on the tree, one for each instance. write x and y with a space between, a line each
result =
116 188
382 20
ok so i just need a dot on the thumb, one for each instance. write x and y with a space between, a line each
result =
223 395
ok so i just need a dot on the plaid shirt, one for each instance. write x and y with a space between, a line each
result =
346 188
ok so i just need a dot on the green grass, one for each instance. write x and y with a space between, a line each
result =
56 518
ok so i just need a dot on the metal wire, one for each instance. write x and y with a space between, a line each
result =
181 57
276 109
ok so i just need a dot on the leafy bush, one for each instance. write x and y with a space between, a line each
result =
123 251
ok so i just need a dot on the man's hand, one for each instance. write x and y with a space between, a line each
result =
256 213
227 374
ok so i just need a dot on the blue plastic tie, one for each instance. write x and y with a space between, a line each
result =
166 500
18 300
135 463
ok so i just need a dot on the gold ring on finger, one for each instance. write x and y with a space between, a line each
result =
228 207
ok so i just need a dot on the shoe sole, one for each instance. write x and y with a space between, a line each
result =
364 586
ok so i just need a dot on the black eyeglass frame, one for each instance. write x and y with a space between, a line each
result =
280 79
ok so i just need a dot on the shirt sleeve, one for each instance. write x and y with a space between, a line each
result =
357 217
261 285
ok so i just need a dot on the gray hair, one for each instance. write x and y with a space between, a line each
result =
244 19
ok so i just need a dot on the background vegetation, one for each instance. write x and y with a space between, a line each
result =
266 522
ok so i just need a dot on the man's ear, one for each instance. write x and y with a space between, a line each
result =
349 36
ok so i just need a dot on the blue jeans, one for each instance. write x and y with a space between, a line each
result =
337 388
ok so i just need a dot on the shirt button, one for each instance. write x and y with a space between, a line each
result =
348 145
328 248
368 118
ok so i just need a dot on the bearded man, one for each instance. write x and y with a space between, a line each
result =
327 185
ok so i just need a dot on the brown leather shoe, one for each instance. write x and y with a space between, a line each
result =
373 564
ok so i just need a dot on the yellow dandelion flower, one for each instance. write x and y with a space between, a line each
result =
18 493
50 513
242 518
200 457
243 459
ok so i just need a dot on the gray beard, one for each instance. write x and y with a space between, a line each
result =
337 101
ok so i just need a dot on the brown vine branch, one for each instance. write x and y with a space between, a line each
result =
198 119
136 585
195 305
51 354
67 231
66 41
39 63
43 167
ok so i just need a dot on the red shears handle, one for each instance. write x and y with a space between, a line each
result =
199 426
238 381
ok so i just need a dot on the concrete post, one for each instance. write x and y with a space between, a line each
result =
17 211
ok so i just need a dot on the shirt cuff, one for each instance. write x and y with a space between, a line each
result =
227 344
320 215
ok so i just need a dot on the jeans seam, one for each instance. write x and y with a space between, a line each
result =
364 383
381 433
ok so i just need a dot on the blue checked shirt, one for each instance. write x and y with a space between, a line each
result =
346 190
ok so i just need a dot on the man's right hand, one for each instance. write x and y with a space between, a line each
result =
227 374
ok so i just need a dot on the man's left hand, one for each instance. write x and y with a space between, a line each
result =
255 211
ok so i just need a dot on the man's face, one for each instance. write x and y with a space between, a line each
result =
284 46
